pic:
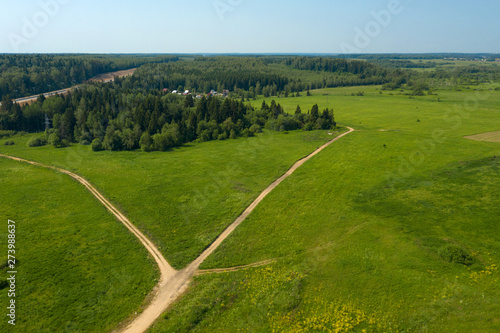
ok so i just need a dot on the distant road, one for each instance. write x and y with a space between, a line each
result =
29 99
109 77
104 78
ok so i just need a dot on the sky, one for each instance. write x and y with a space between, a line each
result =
250 26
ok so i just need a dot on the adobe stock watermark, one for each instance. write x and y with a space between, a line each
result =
31 27
223 6
381 20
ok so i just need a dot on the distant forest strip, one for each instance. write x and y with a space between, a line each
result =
266 76
422 56
111 117
249 77
25 75
140 111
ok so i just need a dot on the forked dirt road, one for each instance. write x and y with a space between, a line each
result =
172 283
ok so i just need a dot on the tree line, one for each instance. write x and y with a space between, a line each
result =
109 116
25 75
249 77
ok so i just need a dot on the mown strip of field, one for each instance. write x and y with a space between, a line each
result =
488 137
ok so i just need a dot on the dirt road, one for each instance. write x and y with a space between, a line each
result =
173 283
105 78
166 270
108 77
180 281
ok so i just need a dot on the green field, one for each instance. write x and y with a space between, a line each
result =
182 199
363 233
79 269
451 64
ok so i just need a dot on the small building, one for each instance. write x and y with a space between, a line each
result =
166 90
174 92
187 92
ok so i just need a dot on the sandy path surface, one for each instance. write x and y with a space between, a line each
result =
108 77
173 283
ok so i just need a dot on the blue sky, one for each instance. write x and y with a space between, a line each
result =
249 26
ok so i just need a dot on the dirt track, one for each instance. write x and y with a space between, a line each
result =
180 281
172 283
486 137
108 77
235 268
105 77
166 271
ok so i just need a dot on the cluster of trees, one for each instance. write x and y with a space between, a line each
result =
204 74
442 77
392 63
109 116
277 120
421 56
135 112
26 75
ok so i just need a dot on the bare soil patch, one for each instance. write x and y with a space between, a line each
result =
486 137
105 77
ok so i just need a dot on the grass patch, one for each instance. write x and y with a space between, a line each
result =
361 229
79 270
183 199
368 230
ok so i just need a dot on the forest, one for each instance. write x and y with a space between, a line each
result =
108 117
252 76
140 112
25 75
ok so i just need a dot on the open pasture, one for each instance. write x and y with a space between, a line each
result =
184 198
385 231
78 268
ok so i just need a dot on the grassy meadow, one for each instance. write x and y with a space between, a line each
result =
79 269
394 228
182 199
